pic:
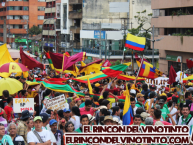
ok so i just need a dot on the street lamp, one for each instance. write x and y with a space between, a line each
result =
153 44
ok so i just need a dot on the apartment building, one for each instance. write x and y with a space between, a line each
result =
173 20
20 15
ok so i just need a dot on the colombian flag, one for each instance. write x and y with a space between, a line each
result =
127 110
147 70
135 43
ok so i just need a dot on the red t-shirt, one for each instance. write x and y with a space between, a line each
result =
8 112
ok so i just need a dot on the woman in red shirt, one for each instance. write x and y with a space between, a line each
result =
9 110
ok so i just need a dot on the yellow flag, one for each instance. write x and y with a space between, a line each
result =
17 60
89 87
5 56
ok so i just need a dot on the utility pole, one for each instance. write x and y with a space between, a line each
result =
106 49
153 41
100 51
124 41
26 30
4 32
55 34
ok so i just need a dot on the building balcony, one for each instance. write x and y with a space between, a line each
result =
49 32
157 4
50 6
17 3
174 43
49 17
3 13
50 10
75 29
75 14
75 2
48 28
182 21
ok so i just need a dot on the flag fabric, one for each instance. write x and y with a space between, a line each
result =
5 56
116 70
92 78
49 60
57 59
172 75
106 64
89 87
69 62
29 62
189 63
91 67
127 110
135 43
129 78
147 70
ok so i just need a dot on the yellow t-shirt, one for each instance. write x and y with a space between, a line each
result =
111 100
32 95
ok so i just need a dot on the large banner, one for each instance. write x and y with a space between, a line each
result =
21 104
57 103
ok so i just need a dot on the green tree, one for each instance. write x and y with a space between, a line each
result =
142 19
35 30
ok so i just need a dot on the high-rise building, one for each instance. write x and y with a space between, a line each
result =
20 15
173 20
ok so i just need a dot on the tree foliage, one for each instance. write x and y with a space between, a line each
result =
35 30
142 31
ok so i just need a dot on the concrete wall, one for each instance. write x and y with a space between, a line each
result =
95 11
138 6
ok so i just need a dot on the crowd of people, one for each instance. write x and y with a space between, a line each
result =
151 106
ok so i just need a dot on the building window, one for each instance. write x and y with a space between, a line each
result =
65 17
155 13
40 26
25 17
42 0
40 17
26 8
41 8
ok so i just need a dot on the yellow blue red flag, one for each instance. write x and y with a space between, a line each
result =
135 43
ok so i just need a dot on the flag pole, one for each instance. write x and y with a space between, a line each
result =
62 63
138 71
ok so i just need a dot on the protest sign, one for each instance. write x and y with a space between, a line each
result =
57 103
21 104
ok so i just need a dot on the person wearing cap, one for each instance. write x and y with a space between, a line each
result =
78 102
140 99
57 133
149 121
115 121
108 120
22 125
67 114
86 97
167 90
32 136
84 121
45 120
163 109
143 115
91 119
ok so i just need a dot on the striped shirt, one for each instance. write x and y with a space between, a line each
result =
22 130
4 121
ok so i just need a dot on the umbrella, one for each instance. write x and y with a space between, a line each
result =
13 67
12 85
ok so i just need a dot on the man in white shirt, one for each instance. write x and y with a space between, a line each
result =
132 100
39 135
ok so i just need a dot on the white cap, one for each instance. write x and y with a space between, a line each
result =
90 117
115 119
133 91
35 76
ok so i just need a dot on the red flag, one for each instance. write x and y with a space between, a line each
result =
172 75
69 61
29 61
106 64
189 63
